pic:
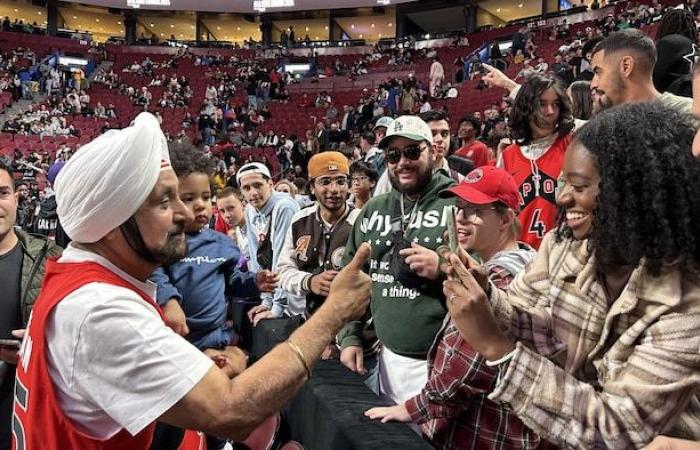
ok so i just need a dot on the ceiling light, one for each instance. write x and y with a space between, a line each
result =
97 20
192 26
352 25
152 24
16 10
317 38
119 22
238 28
380 34
181 35
140 3
391 24
498 10
172 26
520 5
360 36
38 12
326 27
307 28
162 34
372 25
75 17
218 27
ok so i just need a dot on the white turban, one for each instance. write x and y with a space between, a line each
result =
107 180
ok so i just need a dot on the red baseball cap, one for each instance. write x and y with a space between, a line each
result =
484 185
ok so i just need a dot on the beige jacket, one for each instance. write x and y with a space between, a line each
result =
587 374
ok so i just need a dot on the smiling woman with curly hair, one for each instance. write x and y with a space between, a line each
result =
648 205
604 324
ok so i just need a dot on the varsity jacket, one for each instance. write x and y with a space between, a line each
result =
310 249
406 319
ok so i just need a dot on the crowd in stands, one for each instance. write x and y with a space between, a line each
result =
566 315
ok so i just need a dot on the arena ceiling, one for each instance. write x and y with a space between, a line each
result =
507 10
242 6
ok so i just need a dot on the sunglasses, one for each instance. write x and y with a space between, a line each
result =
412 152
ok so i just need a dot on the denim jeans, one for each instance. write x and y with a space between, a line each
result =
371 378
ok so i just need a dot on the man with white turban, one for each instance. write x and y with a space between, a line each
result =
98 366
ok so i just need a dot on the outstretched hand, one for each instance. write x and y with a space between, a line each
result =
396 413
350 290
496 78
471 313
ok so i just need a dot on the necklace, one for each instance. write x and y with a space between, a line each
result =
406 219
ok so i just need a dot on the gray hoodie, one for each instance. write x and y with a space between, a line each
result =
512 261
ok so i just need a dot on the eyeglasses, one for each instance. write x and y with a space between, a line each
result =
358 179
443 133
470 211
327 181
412 152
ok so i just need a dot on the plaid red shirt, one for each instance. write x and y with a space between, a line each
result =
453 407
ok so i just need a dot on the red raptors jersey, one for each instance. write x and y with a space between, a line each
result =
38 421
538 208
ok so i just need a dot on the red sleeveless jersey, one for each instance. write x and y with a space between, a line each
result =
538 207
38 421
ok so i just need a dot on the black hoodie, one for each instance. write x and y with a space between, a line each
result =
47 223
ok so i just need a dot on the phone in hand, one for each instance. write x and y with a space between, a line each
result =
452 233
16 343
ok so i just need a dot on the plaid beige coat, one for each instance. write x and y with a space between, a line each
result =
590 374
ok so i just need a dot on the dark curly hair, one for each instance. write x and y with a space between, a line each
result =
187 159
473 121
678 21
527 106
648 204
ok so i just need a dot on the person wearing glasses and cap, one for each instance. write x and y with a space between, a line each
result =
439 125
453 408
404 227
313 249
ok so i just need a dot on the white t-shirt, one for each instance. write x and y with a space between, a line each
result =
113 361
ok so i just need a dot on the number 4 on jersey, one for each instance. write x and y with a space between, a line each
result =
537 227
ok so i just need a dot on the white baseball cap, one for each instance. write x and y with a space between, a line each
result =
410 127
385 122
254 167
